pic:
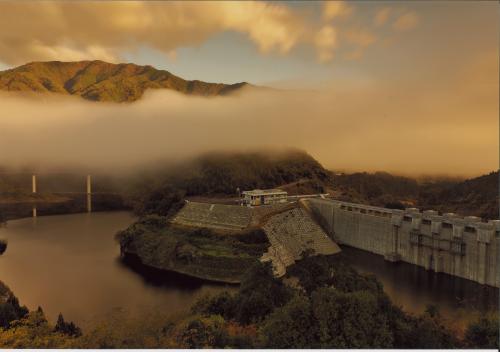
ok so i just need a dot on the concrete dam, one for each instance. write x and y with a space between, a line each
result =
464 247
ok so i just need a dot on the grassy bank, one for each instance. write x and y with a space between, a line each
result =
201 253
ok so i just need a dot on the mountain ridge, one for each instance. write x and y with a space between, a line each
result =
102 81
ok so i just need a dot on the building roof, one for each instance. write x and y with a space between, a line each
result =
264 192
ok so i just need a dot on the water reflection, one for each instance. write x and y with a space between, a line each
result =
414 288
165 279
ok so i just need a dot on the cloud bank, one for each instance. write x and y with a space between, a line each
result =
367 127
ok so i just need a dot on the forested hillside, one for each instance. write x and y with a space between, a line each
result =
476 196
102 81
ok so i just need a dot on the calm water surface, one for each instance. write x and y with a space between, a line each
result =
71 264
413 288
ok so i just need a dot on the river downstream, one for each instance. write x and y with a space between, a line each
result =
71 264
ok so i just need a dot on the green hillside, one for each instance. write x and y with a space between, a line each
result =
102 81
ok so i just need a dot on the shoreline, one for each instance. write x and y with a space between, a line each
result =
136 260
15 210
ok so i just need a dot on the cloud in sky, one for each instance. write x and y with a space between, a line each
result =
32 30
72 30
333 9
406 21
360 37
326 40
382 16
103 30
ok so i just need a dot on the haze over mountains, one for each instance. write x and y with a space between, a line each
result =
340 124
102 81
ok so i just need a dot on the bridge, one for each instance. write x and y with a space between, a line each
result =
34 189
465 247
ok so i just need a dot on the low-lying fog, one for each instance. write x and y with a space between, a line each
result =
363 128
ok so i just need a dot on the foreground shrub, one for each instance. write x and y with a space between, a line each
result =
203 332
291 326
483 333
33 331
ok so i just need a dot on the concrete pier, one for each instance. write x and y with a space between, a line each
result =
89 194
464 247
33 190
33 184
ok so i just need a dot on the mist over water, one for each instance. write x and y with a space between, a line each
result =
366 127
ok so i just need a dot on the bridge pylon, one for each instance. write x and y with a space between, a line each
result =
89 194
33 190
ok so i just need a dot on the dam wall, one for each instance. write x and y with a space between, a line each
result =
465 247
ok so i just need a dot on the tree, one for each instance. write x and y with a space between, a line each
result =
253 307
427 332
259 294
291 326
350 320
483 333
223 304
10 309
321 271
164 201
33 331
312 272
203 332
67 328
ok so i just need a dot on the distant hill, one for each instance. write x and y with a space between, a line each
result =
476 196
376 188
102 81
222 173
219 174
